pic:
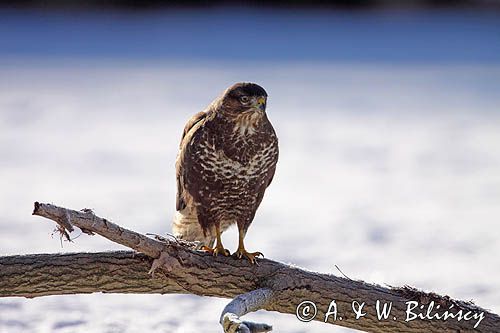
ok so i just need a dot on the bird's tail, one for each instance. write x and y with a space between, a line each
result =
185 226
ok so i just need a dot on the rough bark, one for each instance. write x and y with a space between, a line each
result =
179 268
37 275
241 305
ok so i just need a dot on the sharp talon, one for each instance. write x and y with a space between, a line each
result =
206 248
216 250
251 256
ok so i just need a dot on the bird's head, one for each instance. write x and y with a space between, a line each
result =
244 99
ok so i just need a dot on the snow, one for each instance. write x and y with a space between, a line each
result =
389 170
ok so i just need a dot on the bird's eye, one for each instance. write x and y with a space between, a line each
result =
244 99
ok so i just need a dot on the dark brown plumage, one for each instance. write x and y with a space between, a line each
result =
227 158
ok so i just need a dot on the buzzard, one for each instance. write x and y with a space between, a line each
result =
227 159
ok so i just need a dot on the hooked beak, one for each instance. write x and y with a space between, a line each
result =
261 103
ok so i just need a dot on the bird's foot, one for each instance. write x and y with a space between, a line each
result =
251 256
216 250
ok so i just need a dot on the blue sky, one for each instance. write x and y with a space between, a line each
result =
255 34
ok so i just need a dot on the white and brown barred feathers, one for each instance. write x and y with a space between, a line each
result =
227 158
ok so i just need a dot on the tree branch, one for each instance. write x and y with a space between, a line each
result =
271 285
37 275
240 306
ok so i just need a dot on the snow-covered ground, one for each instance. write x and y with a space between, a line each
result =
390 171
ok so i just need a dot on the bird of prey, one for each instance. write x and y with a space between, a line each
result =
227 158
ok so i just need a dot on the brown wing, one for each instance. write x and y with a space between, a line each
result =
191 127
271 171
269 179
270 174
